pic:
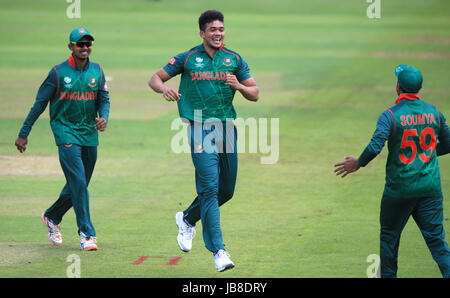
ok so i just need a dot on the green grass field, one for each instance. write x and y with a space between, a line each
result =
324 69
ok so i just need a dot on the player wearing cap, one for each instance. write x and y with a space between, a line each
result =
210 76
413 184
79 108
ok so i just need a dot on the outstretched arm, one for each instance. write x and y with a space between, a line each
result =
385 128
349 165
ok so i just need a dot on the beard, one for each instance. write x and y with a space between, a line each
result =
79 57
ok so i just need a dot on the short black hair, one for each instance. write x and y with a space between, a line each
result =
208 17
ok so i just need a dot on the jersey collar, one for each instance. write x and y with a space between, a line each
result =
407 96
72 63
201 47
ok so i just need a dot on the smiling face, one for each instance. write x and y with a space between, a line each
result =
81 49
213 35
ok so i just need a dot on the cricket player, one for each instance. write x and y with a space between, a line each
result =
210 76
413 184
79 108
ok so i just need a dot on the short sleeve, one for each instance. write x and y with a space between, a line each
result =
176 65
242 71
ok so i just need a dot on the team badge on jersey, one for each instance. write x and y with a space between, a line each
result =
227 62
172 61
92 82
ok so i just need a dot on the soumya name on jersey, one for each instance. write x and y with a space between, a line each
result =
417 119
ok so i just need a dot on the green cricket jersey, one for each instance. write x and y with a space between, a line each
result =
76 97
412 128
202 85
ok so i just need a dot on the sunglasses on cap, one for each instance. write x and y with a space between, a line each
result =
81 44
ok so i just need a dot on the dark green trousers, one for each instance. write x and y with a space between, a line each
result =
428 215
78 163
214 154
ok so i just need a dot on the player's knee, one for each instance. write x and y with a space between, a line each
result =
78 183
225 194
436 242
208 191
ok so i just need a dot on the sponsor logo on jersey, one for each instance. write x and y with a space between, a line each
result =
172 61
67 81
199 61
209 75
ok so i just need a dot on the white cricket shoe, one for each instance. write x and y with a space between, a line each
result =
54 231
186 232
222 260
88 244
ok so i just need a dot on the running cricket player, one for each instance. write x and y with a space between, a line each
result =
413 184
210 76
79 108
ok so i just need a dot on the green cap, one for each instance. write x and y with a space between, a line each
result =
79 33
409 78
